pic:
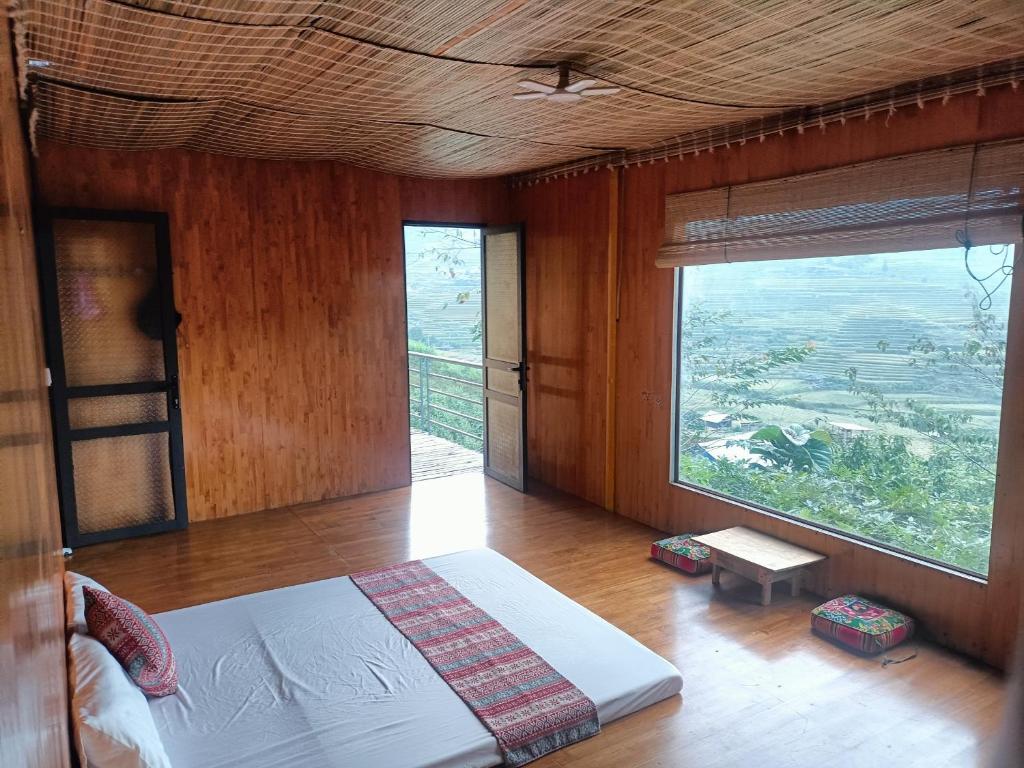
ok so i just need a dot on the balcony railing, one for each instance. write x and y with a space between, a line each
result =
446 399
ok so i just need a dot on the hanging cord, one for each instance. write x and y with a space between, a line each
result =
887 661
963 237
1005 269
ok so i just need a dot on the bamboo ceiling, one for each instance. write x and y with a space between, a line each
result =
424 88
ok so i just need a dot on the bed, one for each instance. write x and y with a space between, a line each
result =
315 675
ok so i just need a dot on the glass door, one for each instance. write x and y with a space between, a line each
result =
110 327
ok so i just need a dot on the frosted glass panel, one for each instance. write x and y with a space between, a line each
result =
122 481
85 412
109 301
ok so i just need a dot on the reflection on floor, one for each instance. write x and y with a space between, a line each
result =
434 457
759 689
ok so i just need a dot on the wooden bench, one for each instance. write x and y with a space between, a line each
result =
758 557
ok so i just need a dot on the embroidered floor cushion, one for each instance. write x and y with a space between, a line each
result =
683 553
861 624
133 638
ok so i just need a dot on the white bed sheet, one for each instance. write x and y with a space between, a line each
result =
313 675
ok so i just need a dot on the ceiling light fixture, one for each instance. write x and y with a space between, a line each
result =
563 93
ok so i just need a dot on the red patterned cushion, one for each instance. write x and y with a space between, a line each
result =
861 624
683 553
134 639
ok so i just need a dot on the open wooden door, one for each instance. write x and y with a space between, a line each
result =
504 348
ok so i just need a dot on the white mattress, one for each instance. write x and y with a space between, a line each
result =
314 675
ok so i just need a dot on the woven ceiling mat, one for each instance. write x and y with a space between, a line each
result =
424 88
111 122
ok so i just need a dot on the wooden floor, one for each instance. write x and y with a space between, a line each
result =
434 457
759 689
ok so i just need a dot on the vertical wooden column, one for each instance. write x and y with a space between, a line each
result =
612 325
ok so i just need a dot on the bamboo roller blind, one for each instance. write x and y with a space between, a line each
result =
911 202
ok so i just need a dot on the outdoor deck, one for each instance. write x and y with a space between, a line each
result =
434 457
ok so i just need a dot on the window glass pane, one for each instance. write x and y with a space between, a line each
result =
861 393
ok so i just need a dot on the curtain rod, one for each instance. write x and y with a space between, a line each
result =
977 80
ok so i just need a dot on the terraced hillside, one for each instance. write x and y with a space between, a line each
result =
885 372
443 289
858 311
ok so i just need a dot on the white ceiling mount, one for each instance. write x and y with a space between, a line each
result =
564 92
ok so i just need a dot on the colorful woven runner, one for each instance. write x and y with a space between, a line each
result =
528 706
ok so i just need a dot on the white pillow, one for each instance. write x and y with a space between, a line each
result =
111 720
74 600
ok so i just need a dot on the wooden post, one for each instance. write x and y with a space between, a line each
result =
425 394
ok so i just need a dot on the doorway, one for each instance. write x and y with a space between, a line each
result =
444 311
465 310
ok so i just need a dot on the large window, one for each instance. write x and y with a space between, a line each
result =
860 393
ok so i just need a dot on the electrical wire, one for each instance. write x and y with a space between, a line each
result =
1005 269
963 237
888 661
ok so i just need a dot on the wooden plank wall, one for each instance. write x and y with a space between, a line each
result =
977 618
271 256
33 683
566 275
290 278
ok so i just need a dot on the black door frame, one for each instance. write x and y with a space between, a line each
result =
60 392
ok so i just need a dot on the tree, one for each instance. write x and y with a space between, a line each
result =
735 383
794 447
978 363
922 480
450 260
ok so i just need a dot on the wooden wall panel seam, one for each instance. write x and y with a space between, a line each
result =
611 323
567 232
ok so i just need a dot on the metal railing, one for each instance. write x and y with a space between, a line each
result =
446 399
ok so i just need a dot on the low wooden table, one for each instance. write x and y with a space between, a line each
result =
758 557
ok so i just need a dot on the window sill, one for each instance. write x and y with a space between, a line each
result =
848 538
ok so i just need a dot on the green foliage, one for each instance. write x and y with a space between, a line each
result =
794 447
445 396
737 383
453 406
922 481
421 347
876 489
